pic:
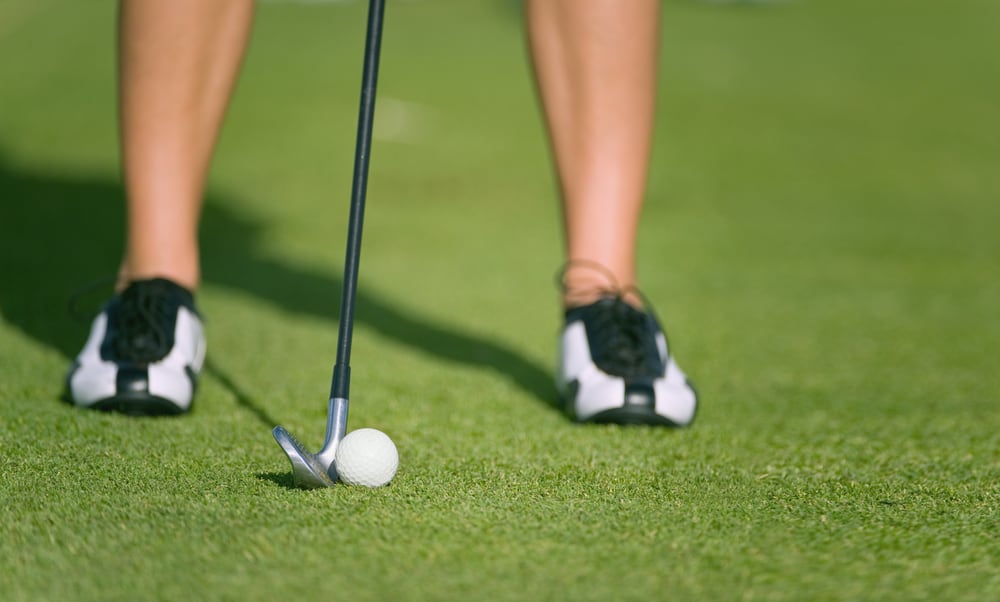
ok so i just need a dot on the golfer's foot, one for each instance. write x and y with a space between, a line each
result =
144 353
615 367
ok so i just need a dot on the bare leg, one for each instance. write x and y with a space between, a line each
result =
595 63
178 63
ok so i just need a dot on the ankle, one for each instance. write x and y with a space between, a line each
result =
583 282
126 277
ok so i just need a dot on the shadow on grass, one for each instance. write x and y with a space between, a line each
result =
60 231
282 479
243 399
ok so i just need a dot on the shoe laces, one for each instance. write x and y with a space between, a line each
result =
145 320
622 333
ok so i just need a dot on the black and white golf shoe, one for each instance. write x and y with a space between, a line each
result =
615 367
144 353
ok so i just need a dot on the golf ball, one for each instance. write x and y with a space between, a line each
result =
366 457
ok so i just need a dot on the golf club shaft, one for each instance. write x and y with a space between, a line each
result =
341 385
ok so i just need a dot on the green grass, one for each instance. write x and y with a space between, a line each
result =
820 240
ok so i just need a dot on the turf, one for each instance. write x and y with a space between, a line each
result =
820 240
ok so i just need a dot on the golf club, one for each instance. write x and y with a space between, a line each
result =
311 471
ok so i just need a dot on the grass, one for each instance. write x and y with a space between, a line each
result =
819 239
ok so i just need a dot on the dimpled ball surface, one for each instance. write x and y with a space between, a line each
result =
366 457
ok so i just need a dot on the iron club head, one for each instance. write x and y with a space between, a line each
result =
308 471
312 471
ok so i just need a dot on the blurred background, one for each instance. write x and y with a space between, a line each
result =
813 160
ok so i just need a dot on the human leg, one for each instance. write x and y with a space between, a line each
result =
595 64
178 61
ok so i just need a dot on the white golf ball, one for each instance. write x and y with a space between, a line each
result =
366 457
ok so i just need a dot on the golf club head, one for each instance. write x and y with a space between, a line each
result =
308 471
